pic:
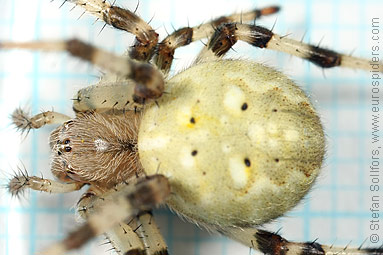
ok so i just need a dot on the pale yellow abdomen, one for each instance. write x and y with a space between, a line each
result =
239 142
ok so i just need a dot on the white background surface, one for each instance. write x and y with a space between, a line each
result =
336 211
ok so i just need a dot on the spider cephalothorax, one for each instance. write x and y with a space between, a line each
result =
96 148
227 144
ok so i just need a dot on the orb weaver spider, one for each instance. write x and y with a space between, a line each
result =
237 50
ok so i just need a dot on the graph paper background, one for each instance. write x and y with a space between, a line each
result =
336 211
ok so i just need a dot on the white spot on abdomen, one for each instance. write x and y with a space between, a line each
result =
238 172
186 159
184 114
233 100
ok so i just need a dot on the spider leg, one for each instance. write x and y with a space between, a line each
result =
144 195
122 237
87 203
140 235
228 34
19 183
150 235
107 97
146 37
25 123
187 35
273 244
149 82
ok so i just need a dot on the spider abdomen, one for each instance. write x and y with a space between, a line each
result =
240 143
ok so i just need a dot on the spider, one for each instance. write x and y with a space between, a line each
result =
197 152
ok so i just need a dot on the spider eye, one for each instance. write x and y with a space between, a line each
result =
68 149
66 141
59 153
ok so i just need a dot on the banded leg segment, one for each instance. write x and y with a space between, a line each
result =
122 237
146 37
149 82
228 34
143 196
140 235
187 35
273 244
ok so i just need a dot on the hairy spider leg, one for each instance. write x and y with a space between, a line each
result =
272 243
138 235
133 199
20 182
24 122
150 235
184 36
226 35
110 97
146 38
